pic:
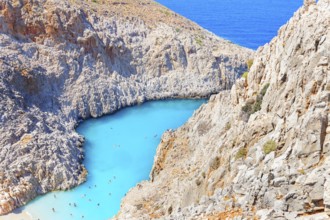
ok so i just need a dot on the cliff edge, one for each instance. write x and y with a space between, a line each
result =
260 151
65 61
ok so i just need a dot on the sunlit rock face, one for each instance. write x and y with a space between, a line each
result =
260 151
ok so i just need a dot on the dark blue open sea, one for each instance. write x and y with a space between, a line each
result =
249 23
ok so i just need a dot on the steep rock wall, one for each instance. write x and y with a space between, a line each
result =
261 151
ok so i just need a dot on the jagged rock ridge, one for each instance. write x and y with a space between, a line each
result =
65 61
261 151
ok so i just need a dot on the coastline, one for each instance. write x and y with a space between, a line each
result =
197 183
109 179
101 65
22 215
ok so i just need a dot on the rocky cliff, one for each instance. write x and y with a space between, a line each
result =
260 151
65 61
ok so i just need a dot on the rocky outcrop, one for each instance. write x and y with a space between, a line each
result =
260 151
65 61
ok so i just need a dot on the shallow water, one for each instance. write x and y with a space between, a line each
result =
250 23
120 149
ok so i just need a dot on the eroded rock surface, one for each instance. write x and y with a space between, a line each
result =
65 61
260 151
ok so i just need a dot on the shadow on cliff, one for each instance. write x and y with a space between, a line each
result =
71 27
34 85
75 33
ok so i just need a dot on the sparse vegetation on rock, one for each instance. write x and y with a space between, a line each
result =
269 146
245 75
241 153
251 108
249 63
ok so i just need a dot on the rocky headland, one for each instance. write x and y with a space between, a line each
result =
258 151
65 61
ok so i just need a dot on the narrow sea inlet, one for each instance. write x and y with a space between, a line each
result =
119 151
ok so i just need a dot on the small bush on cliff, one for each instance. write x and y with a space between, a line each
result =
165 12
247 108
257 105
242 152
245 75
249 63
199 41
264 89
251 108
269 146
301 171
228 126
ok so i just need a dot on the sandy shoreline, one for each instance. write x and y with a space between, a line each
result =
17 215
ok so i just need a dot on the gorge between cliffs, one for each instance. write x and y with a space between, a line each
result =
259 149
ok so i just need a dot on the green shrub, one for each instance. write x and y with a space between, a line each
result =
302 171
199 41
165 12
251 108
269 146
256 106
249 63
242 152
228 126
245 75
247 108
264 89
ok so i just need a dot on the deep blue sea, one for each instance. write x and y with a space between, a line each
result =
249 23
120 148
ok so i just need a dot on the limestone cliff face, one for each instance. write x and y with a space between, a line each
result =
261 151
64 61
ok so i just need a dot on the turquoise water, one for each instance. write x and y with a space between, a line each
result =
120 149
250 23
